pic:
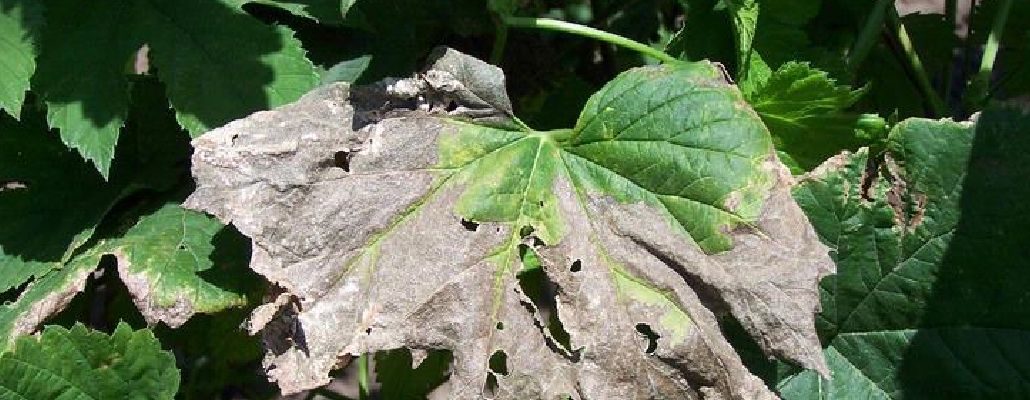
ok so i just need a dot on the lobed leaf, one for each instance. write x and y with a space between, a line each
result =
804 110
81 364
20 25
928 242
394 228
211 75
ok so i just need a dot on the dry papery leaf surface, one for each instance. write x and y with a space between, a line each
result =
400 215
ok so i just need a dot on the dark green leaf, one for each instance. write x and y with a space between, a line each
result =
926 303
197 48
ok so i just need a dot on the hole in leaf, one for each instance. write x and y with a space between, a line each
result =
652 337
541 291
469 225
500 325
398 380
540 203
499 363
576 266
182 247
368 331
451 106
341 159
525 231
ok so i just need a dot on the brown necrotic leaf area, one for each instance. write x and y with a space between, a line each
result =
372 255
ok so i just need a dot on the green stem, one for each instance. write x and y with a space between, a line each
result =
500 41
991 48
937 105
950 15
586 31
363 377
870 33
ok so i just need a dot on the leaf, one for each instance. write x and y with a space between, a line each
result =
44 187
347 71
928 246
50 201
194 46
804 110
166 261
79 363
163 261
663 203
20 23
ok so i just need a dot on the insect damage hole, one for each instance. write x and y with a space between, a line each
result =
470 226
652 337
576 266
341 160
499 363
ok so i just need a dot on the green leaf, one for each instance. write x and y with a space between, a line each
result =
20 23
330 12
45 188
667 174
195 46
50 201
928 245
804 110
165 261
82 364
347 71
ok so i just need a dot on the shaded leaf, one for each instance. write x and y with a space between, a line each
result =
211 75
664 203
43 184
79 363
929 246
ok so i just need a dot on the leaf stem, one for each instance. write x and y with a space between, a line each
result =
363 377
982 80
500 41
937 106
586 31
870 33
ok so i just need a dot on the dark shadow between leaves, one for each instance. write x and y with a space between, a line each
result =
974 341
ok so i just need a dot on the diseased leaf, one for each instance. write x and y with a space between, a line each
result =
804 110
404 227
929 246
165 261
80 364
195 46
161 260
20 24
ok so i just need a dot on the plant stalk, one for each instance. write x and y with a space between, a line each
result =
870 33
500 41
586 31
983 77
363 393
937 106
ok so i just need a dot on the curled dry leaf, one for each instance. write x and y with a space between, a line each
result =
394 216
